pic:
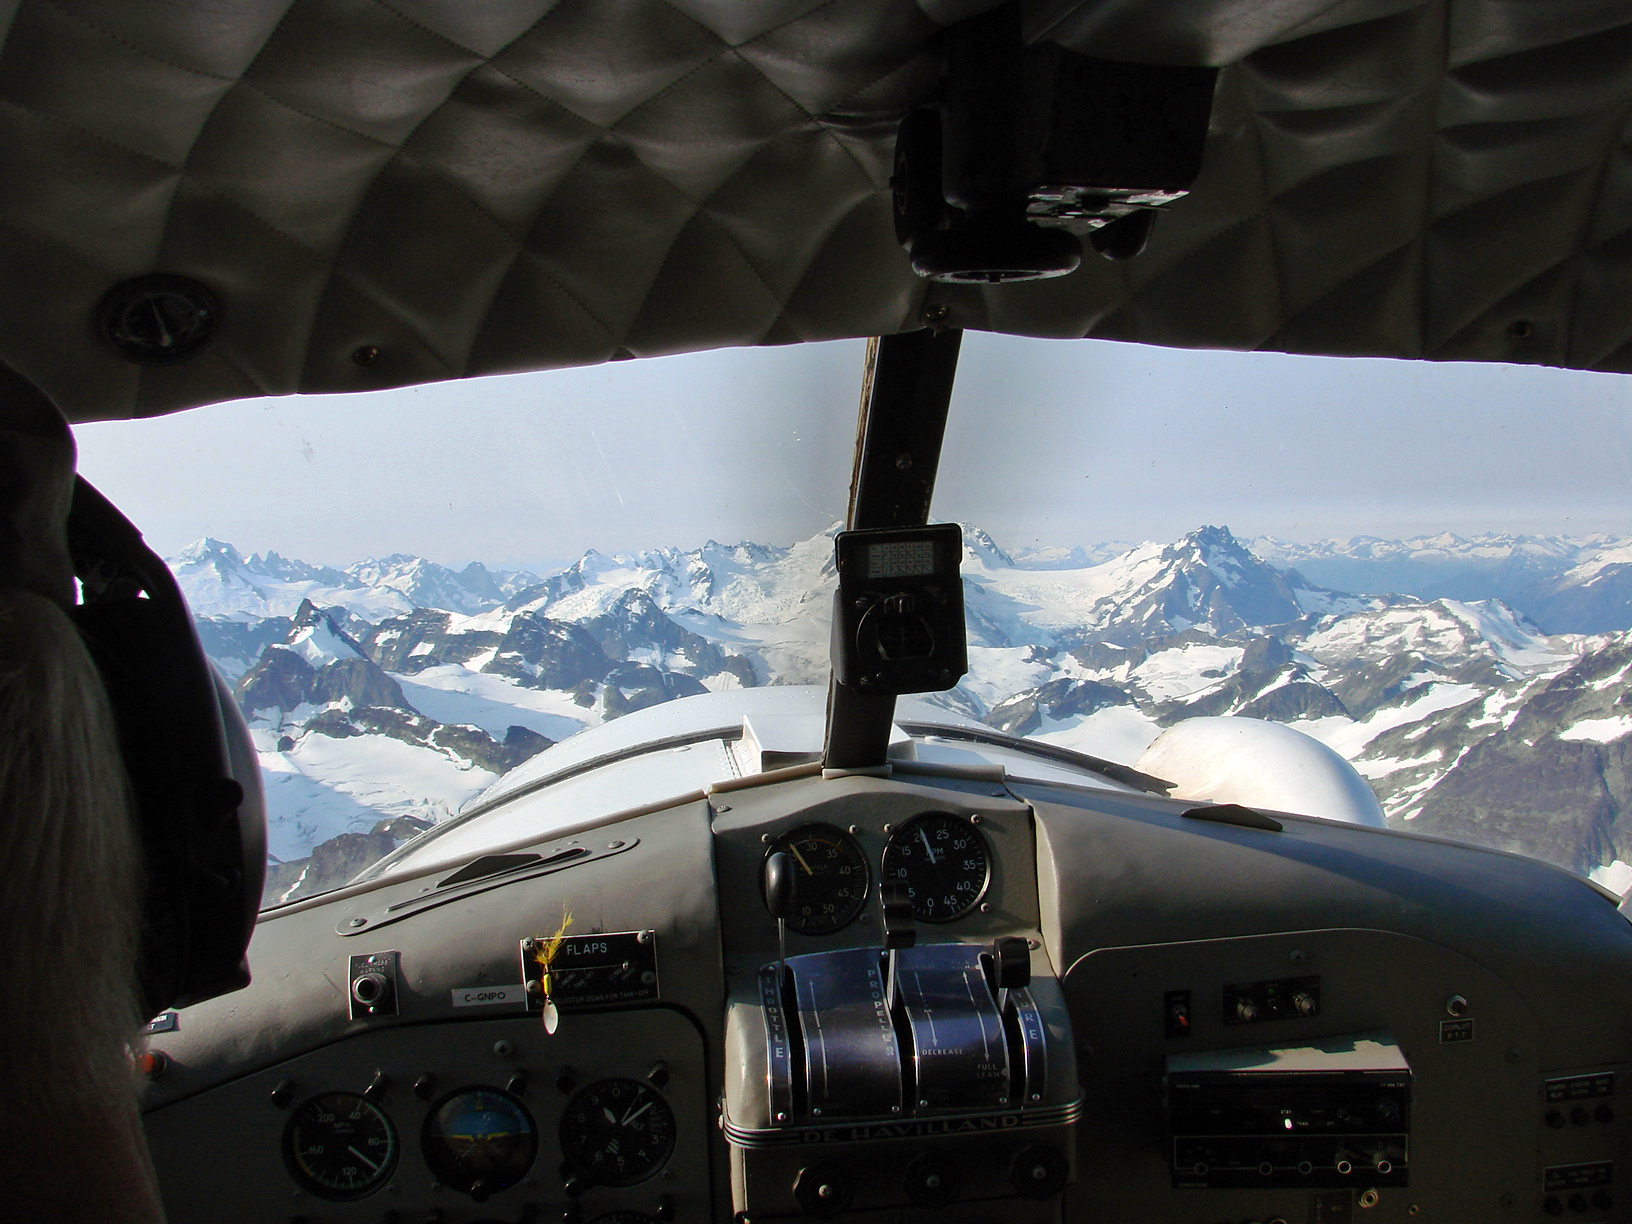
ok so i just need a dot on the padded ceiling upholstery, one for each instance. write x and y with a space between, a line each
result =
503 185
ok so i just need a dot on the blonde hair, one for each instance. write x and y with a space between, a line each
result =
69 870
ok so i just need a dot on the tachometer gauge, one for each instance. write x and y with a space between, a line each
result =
479 1141
617 1131
829 877
339 1146
943 861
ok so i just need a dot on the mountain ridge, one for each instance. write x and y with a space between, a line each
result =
1419 693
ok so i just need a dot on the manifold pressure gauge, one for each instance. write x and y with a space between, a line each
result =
829 877
340 1146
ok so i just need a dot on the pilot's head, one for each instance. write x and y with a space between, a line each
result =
70 904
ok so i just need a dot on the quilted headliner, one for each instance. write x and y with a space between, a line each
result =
474 188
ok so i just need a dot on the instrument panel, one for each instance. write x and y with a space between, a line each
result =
489 1119
1073 1005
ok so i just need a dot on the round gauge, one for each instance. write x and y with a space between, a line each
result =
480 1141
617 1131
829 877
944 863
339 1146
159 319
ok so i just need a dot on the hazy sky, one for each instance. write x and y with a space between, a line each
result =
1050 442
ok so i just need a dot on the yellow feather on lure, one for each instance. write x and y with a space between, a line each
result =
545 955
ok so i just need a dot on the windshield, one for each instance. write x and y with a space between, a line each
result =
414 593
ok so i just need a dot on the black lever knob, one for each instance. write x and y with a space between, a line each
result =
779 881
896 901
1011 962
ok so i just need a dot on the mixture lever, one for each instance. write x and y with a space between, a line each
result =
1008 966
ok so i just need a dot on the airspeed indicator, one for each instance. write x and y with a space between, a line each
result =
340 1146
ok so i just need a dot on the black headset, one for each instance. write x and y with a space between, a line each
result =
193 772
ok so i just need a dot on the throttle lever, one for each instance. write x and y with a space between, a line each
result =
779 885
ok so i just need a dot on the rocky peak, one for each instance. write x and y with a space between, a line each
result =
978 546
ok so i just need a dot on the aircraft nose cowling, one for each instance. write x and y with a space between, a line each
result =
1260 765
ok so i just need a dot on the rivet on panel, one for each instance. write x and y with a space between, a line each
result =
1521 329
366 355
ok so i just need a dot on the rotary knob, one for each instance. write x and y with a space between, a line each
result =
824 1188
932 1180
1038 1171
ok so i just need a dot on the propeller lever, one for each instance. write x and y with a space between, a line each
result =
895 899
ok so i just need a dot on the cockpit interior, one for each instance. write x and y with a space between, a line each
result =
827 952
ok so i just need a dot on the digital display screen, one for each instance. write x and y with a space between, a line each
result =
900 559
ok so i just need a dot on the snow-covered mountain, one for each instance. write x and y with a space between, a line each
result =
386 694
222 583
1568 584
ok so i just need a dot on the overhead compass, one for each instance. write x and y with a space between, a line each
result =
159 319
